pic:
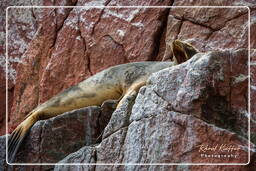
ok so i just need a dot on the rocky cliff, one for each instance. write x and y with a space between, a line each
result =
180 109
202 101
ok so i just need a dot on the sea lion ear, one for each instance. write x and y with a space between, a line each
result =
182 51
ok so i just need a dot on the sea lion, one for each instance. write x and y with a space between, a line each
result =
117 83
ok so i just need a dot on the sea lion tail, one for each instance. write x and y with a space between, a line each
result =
18 135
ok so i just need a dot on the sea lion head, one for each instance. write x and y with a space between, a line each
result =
182 51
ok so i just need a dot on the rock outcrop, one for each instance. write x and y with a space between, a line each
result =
204 100
51 140
85 40
3 164
181 109
90 40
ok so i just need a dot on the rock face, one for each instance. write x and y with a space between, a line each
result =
253 92
75 37
182 110
51 140
159 130
3 103
51 49
90 40
3 164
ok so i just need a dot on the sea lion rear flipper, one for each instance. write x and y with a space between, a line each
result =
18 135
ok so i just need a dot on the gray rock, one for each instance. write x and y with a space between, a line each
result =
120 117
51 140
181 108
3 164
83 155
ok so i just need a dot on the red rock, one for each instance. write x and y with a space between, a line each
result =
161 48
188 30
172 30
116 38
68 50
217 32
21 29
253 93
214 18
253 29
233 35
27 89
3 103
66 40
102 38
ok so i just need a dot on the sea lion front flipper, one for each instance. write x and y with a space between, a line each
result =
132 91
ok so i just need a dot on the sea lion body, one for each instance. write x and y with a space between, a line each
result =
115 83
112 83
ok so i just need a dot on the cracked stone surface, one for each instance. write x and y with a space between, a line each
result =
177 111
77 38
51 140
90 40
3 164
160 130
52 49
